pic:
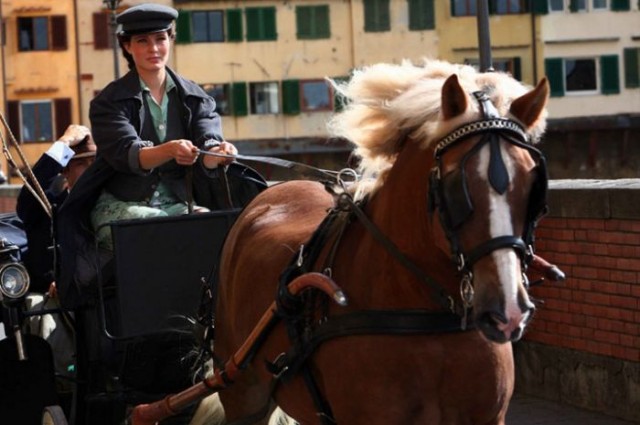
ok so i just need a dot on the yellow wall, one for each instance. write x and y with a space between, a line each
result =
40 75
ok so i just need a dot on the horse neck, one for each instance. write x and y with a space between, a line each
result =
400 210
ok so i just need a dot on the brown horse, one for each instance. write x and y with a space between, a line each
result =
450 194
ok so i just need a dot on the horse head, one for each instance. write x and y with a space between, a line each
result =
488 186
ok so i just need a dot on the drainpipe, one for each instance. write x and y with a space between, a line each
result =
534 47
484 36
78 69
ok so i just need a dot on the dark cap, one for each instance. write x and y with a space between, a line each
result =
86 148
146 18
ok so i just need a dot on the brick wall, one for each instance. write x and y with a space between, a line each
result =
583 345
597 309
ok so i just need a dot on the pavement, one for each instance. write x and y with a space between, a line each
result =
527 410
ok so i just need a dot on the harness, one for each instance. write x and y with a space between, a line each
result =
450 196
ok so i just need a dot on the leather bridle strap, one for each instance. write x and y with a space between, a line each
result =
491 245
439 294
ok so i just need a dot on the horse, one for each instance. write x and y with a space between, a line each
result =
430 248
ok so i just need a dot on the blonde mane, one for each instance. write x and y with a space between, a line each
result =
385 103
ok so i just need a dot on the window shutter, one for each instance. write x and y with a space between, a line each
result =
101 31
323 29
339 101
183 27
555 73
234 25
269 17
58 32
303 22
239 99
540 7
632 67
421 15
376 16
253 23
492 6
573 5
14 118
291 97
517 68
610 74
620 5
62 112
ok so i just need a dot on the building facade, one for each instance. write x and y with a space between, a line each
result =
266 62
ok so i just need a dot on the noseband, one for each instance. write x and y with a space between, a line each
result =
449 194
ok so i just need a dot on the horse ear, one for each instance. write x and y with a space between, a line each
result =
528 107
454 99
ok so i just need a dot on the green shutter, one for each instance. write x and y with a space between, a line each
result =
261 23
269 17
517 68
540 7
492 6
183 27
573 5
239 99
323 29
632 67
339 101
555 73
609 74
620 5
291 97
421 15
376 16
303 22
234 25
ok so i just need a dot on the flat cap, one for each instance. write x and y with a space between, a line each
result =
146 18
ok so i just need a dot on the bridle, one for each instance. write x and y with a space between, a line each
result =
448 194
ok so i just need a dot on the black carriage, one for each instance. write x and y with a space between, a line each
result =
133 312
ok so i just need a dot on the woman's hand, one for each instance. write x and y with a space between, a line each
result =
184 152
181 150
224 148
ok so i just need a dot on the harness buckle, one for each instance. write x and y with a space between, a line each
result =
300 260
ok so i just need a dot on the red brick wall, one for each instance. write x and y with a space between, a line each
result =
8 197
596 242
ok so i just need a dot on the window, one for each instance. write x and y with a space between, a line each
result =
312 22
207 26
632 67
580 75
261 23
315 95
376 16
509 65
421 15
36 122
505 7
464 8
556 5
264 98
600 4
221 94
42 33
583 75
33 34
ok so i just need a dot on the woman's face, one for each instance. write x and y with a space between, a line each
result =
150 52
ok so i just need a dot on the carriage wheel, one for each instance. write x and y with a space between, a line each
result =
53 415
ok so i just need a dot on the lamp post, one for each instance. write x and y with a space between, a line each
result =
484 36
112 5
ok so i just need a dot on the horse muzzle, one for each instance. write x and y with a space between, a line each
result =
500 323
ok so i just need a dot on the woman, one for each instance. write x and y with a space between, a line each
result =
150 126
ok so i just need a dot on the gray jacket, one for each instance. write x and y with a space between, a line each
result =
121 126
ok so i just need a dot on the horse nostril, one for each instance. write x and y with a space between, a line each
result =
498 318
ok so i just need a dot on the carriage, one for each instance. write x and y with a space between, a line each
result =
367 301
